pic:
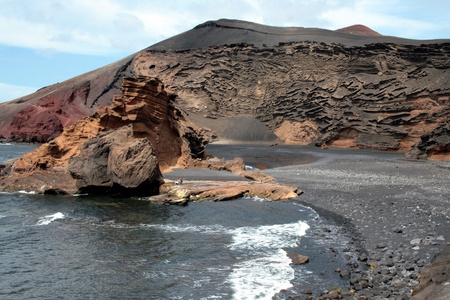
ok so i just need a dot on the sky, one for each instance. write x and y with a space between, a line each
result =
43 42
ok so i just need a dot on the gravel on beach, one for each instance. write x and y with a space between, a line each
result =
397 210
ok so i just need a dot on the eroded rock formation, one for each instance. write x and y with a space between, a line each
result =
307 85
383 96
120 147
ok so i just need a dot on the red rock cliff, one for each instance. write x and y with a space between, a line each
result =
145 107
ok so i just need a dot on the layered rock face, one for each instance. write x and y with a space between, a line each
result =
383 97
338 90
121 147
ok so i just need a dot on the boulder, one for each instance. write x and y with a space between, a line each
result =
434 278
298 259
116 162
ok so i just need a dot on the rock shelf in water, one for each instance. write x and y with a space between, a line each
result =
172 193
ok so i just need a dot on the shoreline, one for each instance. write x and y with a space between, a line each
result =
397 211
400 224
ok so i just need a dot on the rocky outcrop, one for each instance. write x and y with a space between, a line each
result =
113 162
246 81
433 145
120 148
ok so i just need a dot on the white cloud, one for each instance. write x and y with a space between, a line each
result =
382 16
104 27
10 92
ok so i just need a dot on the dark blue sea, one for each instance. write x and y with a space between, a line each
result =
91 247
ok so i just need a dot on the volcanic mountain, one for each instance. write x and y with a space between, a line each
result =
248 81
359 30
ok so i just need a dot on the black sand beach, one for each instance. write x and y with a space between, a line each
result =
397 211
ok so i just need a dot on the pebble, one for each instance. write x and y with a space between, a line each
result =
363 257
345 274
381 246
416 242
307 292
398 229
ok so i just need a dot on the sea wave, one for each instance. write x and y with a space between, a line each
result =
262 277
50 218
269 270
26 192
268 236
205 229
262 266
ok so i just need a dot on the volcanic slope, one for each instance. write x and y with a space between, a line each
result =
249 81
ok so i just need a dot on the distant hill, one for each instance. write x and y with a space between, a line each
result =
348 88
359 30
224 31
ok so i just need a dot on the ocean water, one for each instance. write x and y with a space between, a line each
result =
91 247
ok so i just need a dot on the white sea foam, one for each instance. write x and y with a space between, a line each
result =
249 168
28 193
263 267
257 199
270 272
268 236
262 277
50 218
206 229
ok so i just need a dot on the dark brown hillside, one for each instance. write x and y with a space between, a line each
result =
226 32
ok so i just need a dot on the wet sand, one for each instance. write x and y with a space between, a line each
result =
396 210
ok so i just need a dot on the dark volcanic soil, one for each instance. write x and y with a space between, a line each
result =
398 211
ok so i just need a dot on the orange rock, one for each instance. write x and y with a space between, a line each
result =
228 190
146 107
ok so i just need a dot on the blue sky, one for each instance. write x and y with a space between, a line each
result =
43 42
